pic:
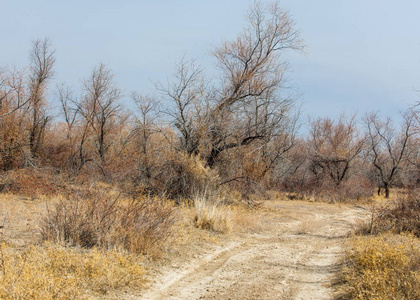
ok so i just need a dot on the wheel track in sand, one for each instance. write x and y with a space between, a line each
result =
288 260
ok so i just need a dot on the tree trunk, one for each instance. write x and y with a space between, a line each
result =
386 191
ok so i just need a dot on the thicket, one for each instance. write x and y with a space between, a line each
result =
239 132
399 216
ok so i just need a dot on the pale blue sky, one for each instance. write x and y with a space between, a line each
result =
362 55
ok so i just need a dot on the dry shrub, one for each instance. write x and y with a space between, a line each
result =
146 226
350 191
53 272
184 175
211 214
401 216
355 190
143 225
385 267
31 182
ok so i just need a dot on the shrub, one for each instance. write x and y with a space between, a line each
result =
143 225
382 268
54 272
401 216
185 175
31 182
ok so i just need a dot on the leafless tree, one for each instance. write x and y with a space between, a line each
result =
333 146
99 107
41 71
187 94
388 147
91 118
12 92
13 98
76 133
145 127
247 105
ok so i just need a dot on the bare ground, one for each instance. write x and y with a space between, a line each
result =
293 255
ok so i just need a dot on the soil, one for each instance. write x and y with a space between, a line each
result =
294 254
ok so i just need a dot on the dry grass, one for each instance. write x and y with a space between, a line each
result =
113 231
54 272
224 212
383 267
211 214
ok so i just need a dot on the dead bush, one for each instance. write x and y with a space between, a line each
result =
31 182
145 225
184 175
357 190
142 225
403 215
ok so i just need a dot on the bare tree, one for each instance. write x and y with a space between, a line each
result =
187 93
249 107
91 119
99 108
13 99
12 92
388 147
145 127
41 71
246 106
333 146
75 134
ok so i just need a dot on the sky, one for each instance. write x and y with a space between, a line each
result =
360 55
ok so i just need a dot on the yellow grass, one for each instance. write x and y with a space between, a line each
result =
53 272
211 215
384 267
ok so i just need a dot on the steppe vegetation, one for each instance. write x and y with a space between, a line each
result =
383 259
92 197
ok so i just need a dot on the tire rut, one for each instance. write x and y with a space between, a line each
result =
288 260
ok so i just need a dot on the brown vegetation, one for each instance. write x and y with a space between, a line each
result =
385 267
105 220
386 264
54 272
113 175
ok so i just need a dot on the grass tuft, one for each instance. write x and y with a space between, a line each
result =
211 214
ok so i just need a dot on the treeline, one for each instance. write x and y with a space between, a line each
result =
238 131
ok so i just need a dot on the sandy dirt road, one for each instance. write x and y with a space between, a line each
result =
294 255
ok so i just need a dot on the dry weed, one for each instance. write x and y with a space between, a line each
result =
54 272
385 267
142 225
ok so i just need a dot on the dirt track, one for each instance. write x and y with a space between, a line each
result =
294 255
